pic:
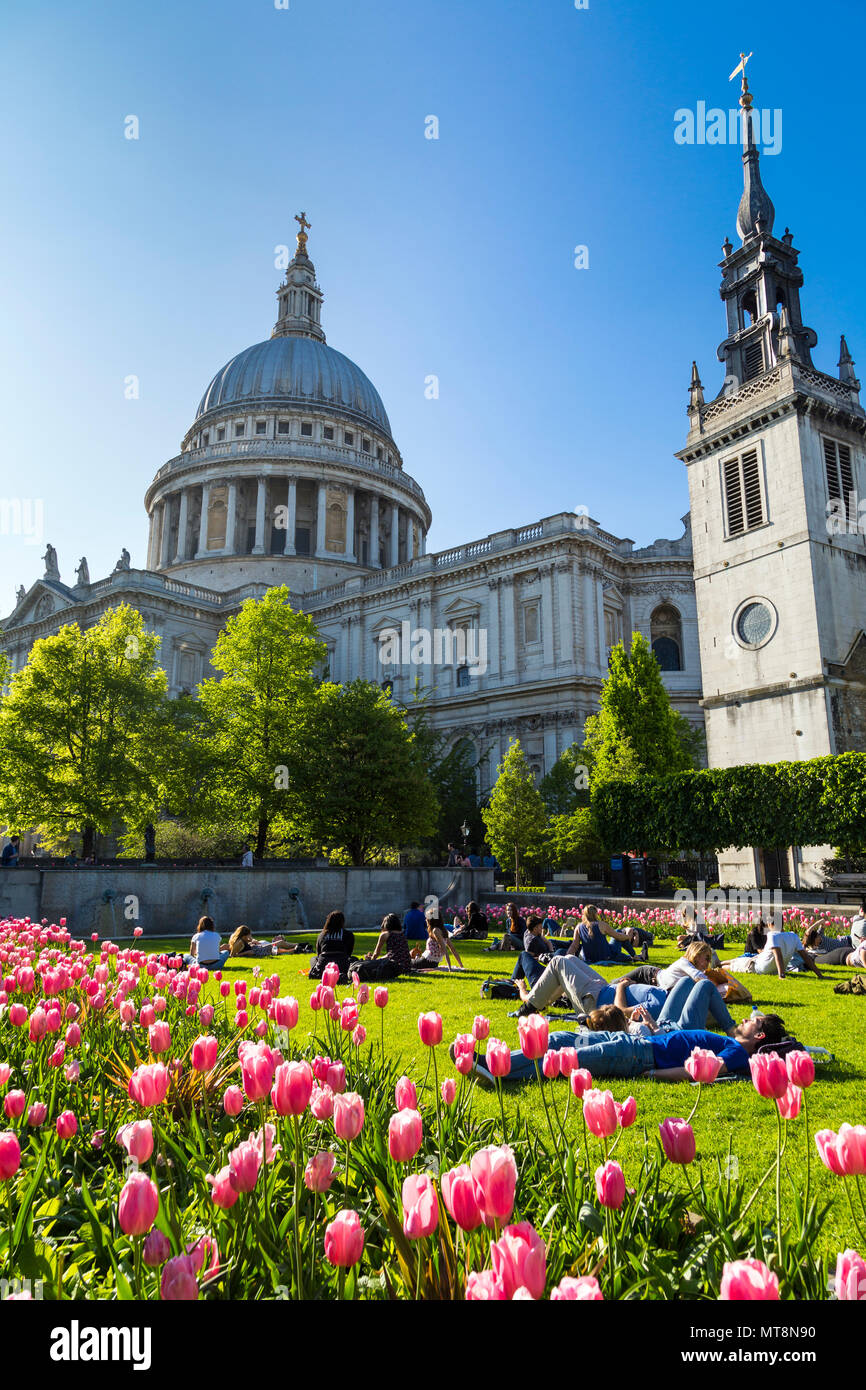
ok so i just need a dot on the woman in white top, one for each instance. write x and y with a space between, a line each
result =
694 963
437 947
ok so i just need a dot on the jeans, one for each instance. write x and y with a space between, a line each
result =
528 968
616 1054
619 951
690 1001
209 964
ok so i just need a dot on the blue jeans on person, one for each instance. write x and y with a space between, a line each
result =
619 953
210 964
690 1001
622 1054
529 967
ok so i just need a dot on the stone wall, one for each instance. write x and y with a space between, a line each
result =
169 902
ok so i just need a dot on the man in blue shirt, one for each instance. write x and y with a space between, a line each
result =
659 1058
414 923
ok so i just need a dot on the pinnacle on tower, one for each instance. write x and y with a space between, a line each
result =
696 390
846 366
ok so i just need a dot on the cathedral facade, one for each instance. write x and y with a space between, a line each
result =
289 474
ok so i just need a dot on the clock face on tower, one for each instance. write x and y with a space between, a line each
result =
754 623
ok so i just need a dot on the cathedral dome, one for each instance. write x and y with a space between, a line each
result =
300 372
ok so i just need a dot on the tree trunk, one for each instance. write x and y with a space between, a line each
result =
516 867
87 839
261 837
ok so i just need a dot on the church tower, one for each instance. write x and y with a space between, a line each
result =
776 463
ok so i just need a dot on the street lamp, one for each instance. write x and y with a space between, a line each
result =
464 831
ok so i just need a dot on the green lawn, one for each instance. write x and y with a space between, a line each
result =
733 1110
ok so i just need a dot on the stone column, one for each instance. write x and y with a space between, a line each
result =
231 518
547 614
494 641
291 513
509 646
374 532
350 523
202 525
321 520
151 541
259 545
166 533
410 536
550 751
395 534
602 640
182 523
566 616
590 649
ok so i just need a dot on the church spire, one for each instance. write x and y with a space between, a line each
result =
756 214
299 296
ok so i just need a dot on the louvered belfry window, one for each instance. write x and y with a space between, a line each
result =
840 473
753 360
744 503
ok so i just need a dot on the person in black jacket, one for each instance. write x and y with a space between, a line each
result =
335 943
475 926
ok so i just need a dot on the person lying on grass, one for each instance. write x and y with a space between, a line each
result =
828 950
661 1057
583 987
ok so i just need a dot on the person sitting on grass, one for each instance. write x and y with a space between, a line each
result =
513 932
535 945
598 940
475 926
243 943
334 946
778 951
437 947
391 957
205 947
657 1058
694 963
692 930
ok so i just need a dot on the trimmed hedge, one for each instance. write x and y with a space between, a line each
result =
772 805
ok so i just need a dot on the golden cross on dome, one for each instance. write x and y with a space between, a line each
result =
304 224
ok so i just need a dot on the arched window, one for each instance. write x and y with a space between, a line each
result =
750 308
666 637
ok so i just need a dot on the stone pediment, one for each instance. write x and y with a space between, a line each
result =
462 608
853 668
43 599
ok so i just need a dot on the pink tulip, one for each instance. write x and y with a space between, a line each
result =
789 1104
348 1116
585 1289
244 1164
827 1141
495 1173
293 1086
17 1015
678 1141
449 1090
319 1172
326 998
10 1155
581 1081
599 1112
626 1113
850 1280
335 1077
498 1057
156 1248
480 1028
420 1203
223 1190
205 1014
462 1197
148 1084
849 1146
37 1114
363 995
380 996
138 1205
801 1069
484 1286
137 1138
5 1073
204 1052
257 1070
178 1283
322 1102
233 1100
703 1065
344 1239
430 1029
519 1258
533 1032
270 1135
72 1036
567 1060
205 1256
14 1103
748 1280
551 1065
769 1074
331 976
348 1015
610 1185
405 1133
405 1094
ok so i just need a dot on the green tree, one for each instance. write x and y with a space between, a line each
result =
267 654
453 771
360 775
561 787
515 817
636 730
78 730
572 840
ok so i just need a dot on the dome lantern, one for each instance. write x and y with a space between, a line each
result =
300 298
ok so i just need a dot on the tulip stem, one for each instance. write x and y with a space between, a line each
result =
695 1106
298 1207
857 1225
808 1147
438 1114
556 1148
501 1106
779 1186
347 1168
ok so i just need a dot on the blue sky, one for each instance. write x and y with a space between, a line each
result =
559 387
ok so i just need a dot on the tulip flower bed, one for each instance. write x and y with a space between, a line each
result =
665 923
172 1135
